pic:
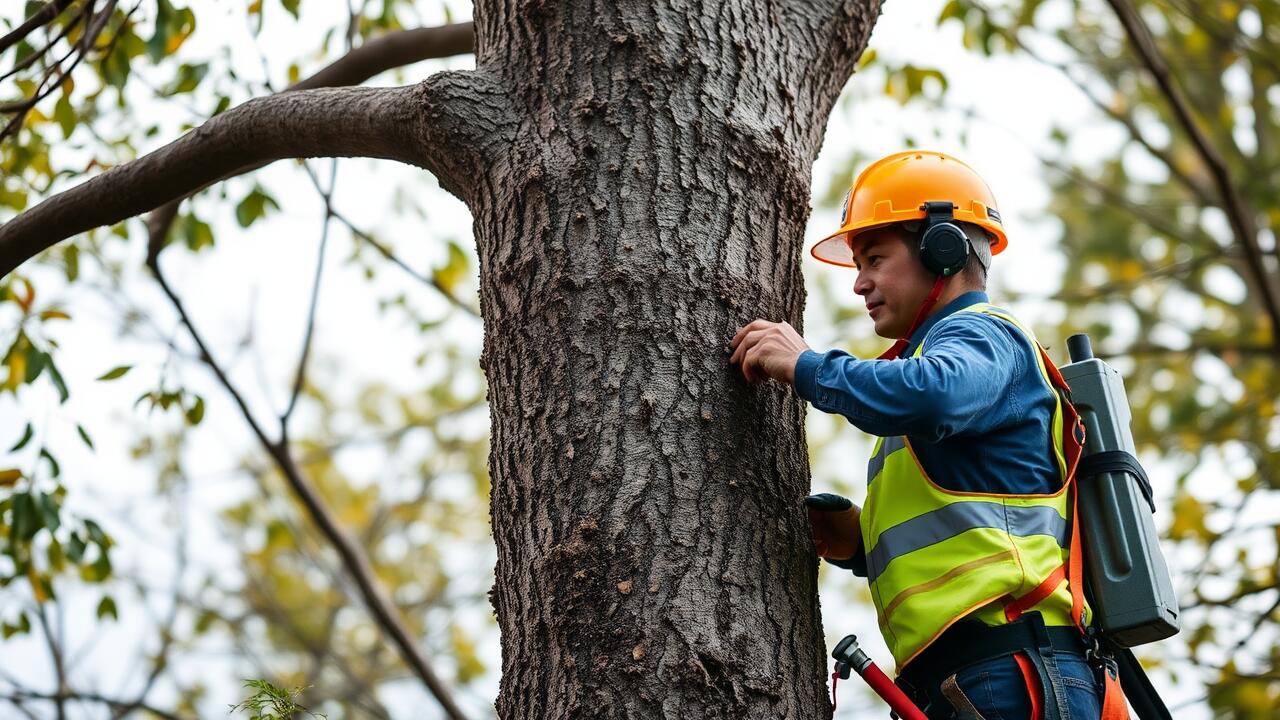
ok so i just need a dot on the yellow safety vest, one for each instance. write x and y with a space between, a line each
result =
935 556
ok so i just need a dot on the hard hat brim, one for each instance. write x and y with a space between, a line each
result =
836 248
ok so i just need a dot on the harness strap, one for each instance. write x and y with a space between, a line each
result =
1110 461
901 344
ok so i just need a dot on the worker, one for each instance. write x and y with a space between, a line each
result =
965 534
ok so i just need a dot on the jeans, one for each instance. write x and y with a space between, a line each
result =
998 692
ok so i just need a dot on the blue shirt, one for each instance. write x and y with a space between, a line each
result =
974 405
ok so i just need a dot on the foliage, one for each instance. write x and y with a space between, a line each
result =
271 702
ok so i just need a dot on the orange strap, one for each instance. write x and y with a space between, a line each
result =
1032 679
1114 706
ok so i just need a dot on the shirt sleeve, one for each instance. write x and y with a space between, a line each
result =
955 387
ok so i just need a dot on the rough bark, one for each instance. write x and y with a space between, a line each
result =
653 558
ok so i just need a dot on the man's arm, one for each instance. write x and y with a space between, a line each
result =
959 384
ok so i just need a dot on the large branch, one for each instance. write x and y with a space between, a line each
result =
1242 223
435 125
376 56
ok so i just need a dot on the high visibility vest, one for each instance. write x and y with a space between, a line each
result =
935 556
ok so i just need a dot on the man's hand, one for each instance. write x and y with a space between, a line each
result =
767 350
833 521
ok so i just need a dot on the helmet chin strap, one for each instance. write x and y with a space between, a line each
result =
902 342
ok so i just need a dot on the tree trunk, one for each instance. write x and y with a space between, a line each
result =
651 198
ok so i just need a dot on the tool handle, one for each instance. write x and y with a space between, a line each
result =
890 693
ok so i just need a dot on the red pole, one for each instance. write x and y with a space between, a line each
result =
849 655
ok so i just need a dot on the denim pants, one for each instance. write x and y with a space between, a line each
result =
998 691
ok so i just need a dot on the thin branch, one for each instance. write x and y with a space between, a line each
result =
1124 118
301 376
27 62
19 696
55 653
43 16
21 108
386 252
352 555
374 57
1242 223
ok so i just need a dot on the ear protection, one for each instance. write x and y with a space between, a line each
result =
944 248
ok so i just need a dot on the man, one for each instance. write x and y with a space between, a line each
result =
966 532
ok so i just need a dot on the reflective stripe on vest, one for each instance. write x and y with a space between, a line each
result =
935 556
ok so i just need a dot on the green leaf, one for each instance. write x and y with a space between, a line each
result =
26 519
56 377
54 468
65 115
100 569
35 363
84 435
189 77
196 233
71 261
57 559
291 6
26 438
96 534
75 548
117 372
164 24
107 607
195 413
23 626
254 206
48 506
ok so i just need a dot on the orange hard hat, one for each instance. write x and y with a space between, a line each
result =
895 188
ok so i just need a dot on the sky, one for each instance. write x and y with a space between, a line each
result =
258 281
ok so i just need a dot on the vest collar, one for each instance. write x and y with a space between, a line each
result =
973 297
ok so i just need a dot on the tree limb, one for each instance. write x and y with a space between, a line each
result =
434 125
43 16
392 51
1242 223
376 56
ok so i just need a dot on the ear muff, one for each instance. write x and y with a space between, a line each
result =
944 248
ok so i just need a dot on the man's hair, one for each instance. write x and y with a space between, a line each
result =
974 273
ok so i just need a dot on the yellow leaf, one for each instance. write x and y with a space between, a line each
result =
9 477
36 587
17 371
54 315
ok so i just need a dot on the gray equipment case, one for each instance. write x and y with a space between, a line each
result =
1126 579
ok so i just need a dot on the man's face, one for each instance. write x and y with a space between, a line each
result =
891 280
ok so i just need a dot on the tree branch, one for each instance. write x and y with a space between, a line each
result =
58 697
354 560
429 125
43 16
376 56
392 51
1242 224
